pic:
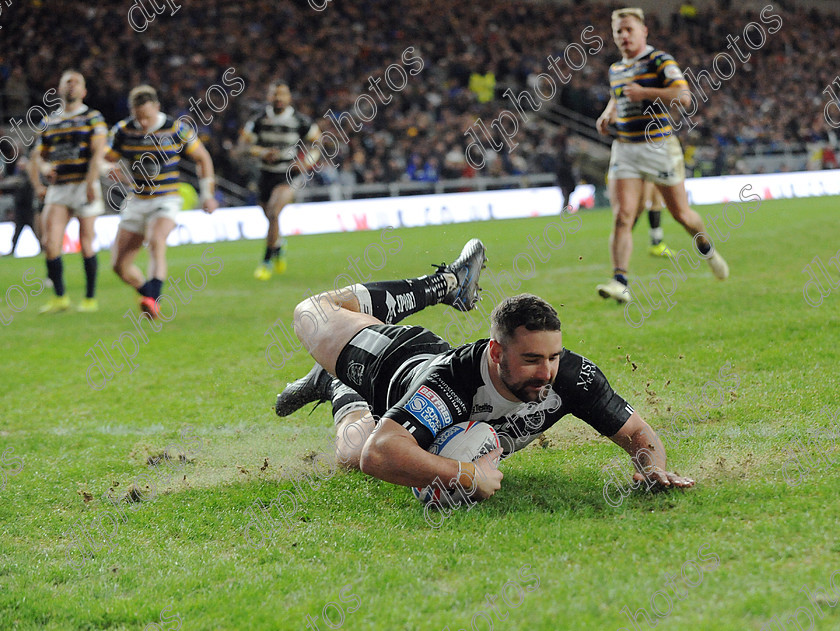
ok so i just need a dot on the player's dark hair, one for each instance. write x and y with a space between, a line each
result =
527 310
141 95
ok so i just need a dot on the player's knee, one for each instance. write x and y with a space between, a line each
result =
285 197
682 214
346 457
305 322
372 456
623 220
157 245
273 208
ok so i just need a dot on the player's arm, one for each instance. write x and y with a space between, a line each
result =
393 455
247 146
677 91
34 169
98 149
313 154
647 453
606 117
198 153
108 165
586 391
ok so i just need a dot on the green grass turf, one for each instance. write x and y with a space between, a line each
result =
185 550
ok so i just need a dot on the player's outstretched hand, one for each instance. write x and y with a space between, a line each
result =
210 205
664 479
488 478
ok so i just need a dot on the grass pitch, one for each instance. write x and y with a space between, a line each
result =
740 374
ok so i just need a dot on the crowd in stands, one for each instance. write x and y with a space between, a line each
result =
471 53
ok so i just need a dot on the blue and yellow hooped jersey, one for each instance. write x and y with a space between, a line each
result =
152 157
652 69
66 142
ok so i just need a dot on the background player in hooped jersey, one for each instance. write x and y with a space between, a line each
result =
272 138
69 153
646 147
151 144
521 380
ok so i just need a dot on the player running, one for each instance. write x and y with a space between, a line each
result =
69 153
151 143
646 148
521 380
272 138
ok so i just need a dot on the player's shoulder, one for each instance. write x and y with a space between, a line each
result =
659 57
261 116
171 124
470 352
574 372
53 119
302 118
461 366
124 126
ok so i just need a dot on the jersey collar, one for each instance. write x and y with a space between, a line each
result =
646 51
80 110
269 109
161 119
497 399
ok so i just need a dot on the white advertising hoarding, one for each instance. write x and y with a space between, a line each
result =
231 224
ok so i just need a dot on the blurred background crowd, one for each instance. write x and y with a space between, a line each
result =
472 52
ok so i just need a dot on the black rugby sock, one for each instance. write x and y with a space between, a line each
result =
620 275
394 300
151 288
655 219
91 267
55 272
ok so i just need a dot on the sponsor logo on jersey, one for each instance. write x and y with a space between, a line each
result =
673 72
428 408
391 304
457 403
587 373
482 408
356 372
406 302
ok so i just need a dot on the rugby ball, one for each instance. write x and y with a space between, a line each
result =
466 442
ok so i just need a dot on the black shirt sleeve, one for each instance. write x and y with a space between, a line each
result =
587 394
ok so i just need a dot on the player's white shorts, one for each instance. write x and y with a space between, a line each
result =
137 213
660 161
74 196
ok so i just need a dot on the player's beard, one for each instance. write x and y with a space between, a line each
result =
71 101
521 390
